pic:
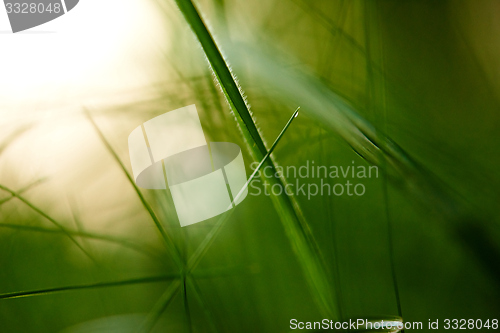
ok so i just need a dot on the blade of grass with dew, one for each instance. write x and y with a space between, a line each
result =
48 291
168 240
296 227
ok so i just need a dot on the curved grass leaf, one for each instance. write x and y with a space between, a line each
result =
403 172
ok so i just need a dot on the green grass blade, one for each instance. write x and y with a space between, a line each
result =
174 251
46 216
296 227
412 178
186 304
221 71
48 291
210 237
23 190
202 249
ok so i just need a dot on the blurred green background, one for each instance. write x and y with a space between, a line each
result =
422 76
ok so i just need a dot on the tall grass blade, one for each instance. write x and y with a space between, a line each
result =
221 71
294 223
174 251
210 237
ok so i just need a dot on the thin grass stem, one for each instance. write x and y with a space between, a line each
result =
85 234
168 240
160 307
48 217
206 309
23 190
49 291
210 237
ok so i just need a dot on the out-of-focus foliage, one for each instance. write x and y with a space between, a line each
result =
420 74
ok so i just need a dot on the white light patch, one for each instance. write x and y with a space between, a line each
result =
96 50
